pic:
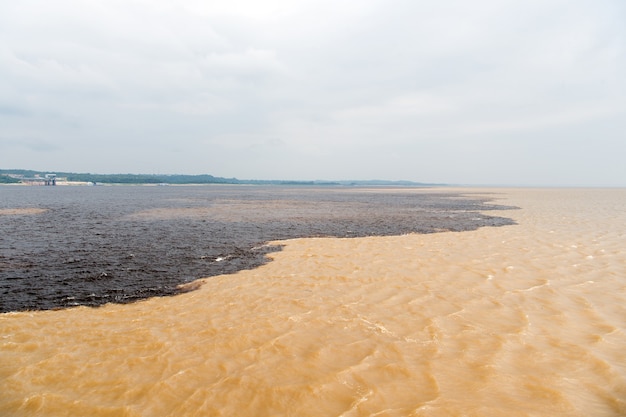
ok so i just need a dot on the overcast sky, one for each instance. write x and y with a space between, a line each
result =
528 92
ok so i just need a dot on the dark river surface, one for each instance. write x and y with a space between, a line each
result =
95 245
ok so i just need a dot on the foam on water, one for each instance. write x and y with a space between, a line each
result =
523 320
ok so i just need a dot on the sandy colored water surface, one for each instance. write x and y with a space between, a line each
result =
21 211
524 320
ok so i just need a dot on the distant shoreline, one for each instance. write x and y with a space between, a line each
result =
30 177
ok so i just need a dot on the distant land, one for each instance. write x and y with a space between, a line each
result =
17 176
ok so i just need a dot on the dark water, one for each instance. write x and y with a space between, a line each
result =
95 245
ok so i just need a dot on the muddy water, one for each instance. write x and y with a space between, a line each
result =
69 246
520 320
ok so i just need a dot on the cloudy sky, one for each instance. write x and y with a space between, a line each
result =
510 92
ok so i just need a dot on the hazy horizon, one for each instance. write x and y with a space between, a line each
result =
503 93
329 180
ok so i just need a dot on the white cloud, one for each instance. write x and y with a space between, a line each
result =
326 88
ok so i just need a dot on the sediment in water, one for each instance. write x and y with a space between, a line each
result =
96 245
526 320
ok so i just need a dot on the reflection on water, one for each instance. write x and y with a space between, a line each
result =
522 320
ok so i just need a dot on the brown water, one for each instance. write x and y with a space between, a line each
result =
70 246
523 320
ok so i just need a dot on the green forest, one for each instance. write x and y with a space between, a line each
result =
9 176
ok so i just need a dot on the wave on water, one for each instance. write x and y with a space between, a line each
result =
70 246
524 321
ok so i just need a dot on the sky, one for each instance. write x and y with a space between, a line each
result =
483 92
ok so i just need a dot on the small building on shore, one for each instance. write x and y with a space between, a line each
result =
50 179
47 179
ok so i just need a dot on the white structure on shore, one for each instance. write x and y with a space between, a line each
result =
51 179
